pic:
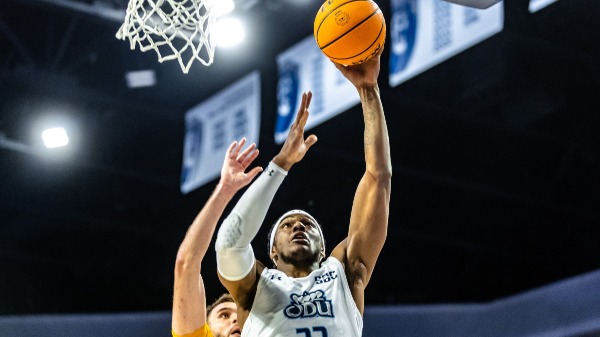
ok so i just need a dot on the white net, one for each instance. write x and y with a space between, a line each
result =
174 29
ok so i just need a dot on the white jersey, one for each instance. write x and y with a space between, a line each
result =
318 305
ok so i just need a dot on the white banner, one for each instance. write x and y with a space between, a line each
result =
424 33
536 5
212 125
303 67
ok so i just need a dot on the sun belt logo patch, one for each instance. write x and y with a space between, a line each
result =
309 305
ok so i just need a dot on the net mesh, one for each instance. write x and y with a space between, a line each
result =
173 29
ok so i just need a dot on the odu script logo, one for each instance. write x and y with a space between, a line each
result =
309 305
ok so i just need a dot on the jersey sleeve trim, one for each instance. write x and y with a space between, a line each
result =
203 331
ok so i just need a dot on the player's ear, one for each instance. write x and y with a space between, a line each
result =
274 257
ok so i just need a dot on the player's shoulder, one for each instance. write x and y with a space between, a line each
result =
203 331
260 267
332 262
340 252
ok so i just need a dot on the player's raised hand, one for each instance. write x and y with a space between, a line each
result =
296 146
233 172
364 74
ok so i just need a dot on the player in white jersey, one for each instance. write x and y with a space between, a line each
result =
305 296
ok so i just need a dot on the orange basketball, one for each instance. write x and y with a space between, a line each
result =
349 31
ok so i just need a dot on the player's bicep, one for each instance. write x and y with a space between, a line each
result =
368 223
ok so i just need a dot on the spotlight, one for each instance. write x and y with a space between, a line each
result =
228 32
55 137
223 7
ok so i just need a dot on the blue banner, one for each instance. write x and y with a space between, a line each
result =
211 126
303 67
425 33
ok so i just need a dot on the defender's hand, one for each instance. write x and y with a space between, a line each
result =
233 172
295 146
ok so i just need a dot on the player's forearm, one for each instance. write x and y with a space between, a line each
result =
234 253
195 244
252 207
370 209
376 139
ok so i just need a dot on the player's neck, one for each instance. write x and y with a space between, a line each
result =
297 271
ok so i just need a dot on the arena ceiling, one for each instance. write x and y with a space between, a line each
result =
496 155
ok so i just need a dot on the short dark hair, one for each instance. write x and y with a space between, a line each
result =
221 299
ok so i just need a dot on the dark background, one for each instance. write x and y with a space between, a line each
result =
495 157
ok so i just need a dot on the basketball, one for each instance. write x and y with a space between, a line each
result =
349 31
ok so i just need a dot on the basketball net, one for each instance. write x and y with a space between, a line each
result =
173 29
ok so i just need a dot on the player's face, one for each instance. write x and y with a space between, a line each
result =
298 240
223 320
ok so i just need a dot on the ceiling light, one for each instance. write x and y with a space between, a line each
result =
536 5
140 78
55 137
228 32
223 7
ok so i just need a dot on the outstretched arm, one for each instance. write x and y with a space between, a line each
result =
238 269
189 300
370 209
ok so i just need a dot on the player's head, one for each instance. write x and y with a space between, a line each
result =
296 238
221 316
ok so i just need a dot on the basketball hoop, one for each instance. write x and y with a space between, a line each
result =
173 29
